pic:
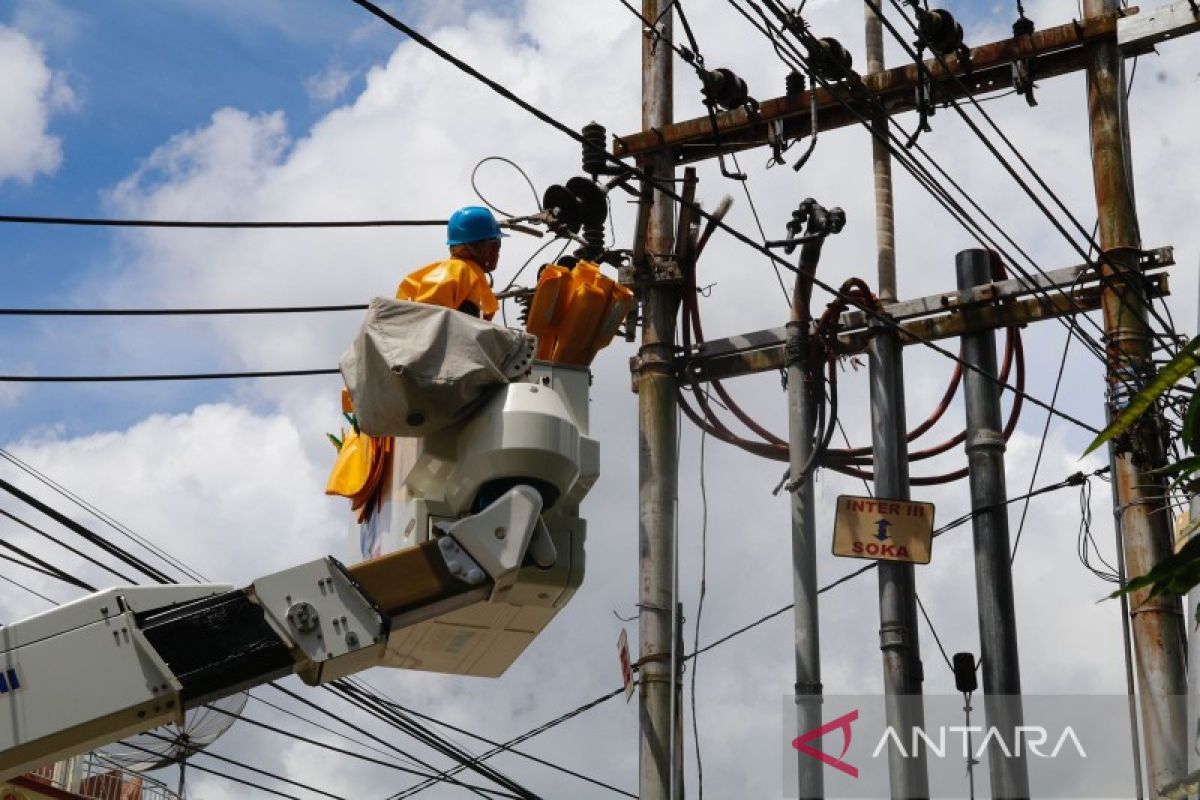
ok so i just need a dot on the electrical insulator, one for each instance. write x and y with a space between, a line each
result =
831 60
724 89
595 161
939 31
796 83
964 673
578 204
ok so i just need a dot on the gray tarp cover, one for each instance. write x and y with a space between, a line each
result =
415 368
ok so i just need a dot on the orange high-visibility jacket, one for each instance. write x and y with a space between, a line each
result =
450 283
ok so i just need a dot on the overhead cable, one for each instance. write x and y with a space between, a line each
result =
513 751
104 517
52 538
97 540
179 758
1074 480
97 222
1103 257
333 748
368 701
242 765
191 376
921 174
529 734
33 592
175 312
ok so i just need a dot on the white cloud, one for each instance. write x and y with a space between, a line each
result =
29 94
329 85
229 492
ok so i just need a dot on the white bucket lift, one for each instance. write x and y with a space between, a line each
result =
531 432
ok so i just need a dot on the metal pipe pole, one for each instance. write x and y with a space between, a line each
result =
1145 525
881 158
993 574
802 425
902 672
658 457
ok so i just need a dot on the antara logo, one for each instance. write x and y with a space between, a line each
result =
842 723
1030 739
9 681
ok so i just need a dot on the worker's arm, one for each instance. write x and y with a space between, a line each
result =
129 659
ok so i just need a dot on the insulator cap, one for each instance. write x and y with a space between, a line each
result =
964 672
595 161
795 83
832 60
724 88
940 31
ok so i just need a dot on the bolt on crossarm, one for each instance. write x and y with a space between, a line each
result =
658 457
1143 524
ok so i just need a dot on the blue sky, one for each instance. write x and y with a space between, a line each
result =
142 73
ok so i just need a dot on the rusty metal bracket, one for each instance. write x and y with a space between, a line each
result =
1059 50
1015 301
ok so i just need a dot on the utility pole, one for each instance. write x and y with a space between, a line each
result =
802 380
902 674
1144 525
993 574
658 456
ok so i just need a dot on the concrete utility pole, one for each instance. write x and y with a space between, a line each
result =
902 674
658 456
993 575
1157 624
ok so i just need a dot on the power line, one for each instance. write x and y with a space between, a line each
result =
44 567
921 174
370 702
34 592
97 222
506 746
867 309
535 759
442 775
175 312
331 748
991 147
1037 462
176 759
1074 480
258 770
104 517
193 376
50 537
97 540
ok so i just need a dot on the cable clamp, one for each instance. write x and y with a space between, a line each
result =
986 440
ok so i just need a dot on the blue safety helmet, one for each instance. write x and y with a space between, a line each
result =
472 224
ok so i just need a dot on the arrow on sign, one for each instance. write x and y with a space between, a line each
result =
881 532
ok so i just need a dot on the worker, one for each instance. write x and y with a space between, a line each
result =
463 281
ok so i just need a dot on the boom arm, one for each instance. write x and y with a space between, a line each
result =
129 659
